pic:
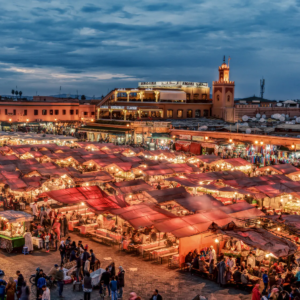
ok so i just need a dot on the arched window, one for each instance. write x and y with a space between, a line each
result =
218 98
179 113
189 113
170 113
197 113
228 98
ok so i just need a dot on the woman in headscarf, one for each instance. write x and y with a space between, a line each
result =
10 289
121 281
132 296
255 293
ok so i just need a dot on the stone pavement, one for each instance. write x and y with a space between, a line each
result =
172 284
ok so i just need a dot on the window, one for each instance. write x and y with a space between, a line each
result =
197 113
228 98
92 113
56 112
218 98
204 96
76 111
179 113
170 113
25 112
36 112
15 112
6 111
64 111
71 112
205 113
44 112
189 113
85 113
51 112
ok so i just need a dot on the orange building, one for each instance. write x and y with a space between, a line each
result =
223 95
46 109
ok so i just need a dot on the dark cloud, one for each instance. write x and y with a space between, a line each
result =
168 7
79 45
90 9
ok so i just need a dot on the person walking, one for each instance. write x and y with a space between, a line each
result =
46 293
87 286
62 250
114 288
265 278
19 283
93 260
255 293
25 292
121 281
10 289
105 278
2 290
156 296
60 281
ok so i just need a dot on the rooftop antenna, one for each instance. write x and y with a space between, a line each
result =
262 88
224 59
228 60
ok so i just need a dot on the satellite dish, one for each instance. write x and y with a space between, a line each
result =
282 119
254 119
257 116
262 120
287 116
279 104
264 116
248 130
245 118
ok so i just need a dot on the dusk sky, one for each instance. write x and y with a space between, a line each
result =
95 46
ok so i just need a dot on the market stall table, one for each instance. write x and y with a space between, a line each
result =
115 236
84 229
165 252
37 242
143 247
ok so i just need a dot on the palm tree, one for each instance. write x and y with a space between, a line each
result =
83 97
16 93
20 94
13 92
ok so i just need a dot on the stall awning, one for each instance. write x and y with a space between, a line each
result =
16 216
258 238
92 196
142 215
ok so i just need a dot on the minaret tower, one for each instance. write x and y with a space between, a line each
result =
223 94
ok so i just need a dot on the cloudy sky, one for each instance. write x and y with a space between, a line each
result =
94 46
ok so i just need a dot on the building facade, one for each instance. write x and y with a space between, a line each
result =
46 110
223 95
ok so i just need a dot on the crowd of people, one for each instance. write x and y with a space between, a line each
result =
85 262
281 281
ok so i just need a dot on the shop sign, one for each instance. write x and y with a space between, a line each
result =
297 146
104 107
149 124
140 123
131 107
184 137
161 124
117 107
197 138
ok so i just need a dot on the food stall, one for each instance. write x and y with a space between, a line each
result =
12 229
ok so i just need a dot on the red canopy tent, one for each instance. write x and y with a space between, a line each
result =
142 215
92 196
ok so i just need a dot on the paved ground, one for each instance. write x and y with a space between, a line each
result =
172 284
